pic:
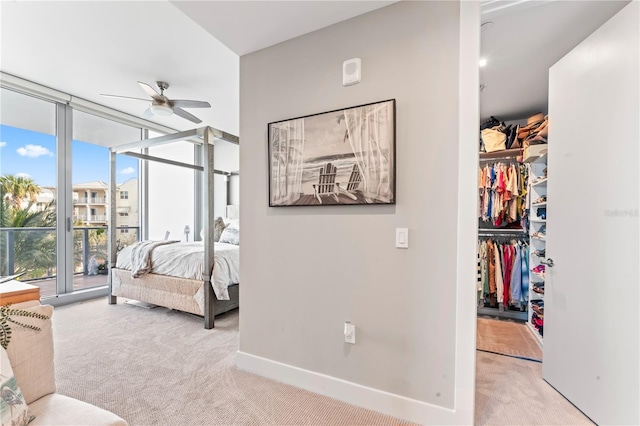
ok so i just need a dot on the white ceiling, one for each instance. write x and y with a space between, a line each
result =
88 48
247 26
525 40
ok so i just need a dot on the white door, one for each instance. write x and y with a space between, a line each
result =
591 330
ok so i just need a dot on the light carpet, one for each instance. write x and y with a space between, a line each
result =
161 367
511 391
507 337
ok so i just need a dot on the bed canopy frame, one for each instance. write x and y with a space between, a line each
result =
204 137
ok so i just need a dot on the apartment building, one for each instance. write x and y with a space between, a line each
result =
127 205
91 201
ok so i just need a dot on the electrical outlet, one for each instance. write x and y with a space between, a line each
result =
349 333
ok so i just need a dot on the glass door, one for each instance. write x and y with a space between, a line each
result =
28 164
92 136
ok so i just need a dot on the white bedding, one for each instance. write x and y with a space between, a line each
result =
186 260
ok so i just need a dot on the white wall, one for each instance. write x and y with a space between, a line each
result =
306 270
171 194
227 159
171 188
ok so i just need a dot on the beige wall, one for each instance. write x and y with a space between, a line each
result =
306 270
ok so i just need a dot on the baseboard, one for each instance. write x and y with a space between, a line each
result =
373 399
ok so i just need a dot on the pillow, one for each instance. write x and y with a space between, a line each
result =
31 354
13 408
218 228
231 234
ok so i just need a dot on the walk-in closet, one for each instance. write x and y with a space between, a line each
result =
527 178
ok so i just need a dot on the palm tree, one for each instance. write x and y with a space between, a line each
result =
17 189
34 251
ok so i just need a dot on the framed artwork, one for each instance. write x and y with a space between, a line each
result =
340 157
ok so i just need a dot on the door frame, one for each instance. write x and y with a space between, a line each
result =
467 235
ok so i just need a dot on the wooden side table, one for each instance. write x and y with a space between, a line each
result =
16 292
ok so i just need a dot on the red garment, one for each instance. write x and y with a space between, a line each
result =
508 267
501 186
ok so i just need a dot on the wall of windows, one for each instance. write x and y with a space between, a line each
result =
55 162
28 188
90 177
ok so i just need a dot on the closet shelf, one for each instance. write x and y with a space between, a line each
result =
497 155
535 237
535 333
538 275
542 182
541 159
501 313
544 203
539 220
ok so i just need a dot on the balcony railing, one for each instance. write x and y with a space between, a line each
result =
34 249
90 200
91 218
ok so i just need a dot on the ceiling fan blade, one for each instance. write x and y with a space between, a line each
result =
151 91
184 114
147 114
123 97
190 104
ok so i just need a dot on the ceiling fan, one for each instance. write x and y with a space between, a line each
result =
163 106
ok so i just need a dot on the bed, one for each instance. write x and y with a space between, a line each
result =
175 278
202 294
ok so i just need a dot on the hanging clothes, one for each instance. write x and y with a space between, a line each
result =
503 275
499 279
492 266
508 266
516 277
501 190
525 272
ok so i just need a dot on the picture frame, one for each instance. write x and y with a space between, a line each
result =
340 157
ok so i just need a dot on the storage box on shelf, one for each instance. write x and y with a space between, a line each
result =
534 153
537 229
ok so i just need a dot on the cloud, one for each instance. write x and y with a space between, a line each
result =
34 151
23 175
128 171
3 144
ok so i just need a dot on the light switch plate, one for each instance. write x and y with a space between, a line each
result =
349 333
402 237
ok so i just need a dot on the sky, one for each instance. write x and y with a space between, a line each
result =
32 154
324 135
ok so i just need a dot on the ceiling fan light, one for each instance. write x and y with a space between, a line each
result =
161 110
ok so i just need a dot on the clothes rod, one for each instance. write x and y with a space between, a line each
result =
500 159
492 233
521 235
506 230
